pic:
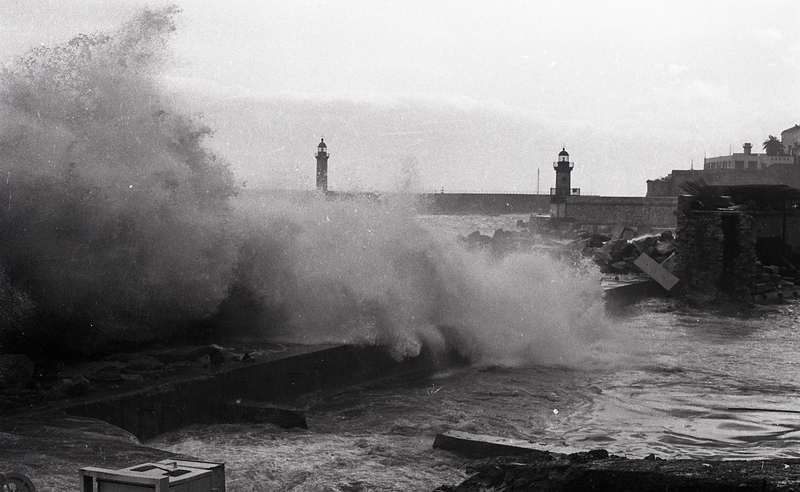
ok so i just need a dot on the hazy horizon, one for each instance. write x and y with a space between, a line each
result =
463 96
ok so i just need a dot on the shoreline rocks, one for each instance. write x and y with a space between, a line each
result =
600 472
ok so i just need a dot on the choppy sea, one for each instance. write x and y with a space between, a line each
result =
663 378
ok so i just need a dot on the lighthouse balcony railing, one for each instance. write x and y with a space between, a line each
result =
569 164
572 192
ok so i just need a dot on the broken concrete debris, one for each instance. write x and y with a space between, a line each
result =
511 465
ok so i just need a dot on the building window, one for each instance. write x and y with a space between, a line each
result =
740 165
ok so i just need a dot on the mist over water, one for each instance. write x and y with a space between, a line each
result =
118 224
357 271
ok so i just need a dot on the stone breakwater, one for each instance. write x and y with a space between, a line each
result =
685 256
613 255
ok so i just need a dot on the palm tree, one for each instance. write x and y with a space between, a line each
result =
773 146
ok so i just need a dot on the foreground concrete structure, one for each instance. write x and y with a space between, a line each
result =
259 390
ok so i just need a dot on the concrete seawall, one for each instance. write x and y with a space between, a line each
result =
484 203
629 211
279 379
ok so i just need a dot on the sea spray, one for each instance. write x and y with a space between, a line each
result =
117 225
113 214
360 270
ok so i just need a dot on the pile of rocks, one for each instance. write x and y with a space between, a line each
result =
772 283
501 241
597 470
617 255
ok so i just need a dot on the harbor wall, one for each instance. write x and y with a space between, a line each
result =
635 212
483 203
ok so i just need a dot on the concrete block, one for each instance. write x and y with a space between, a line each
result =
480 446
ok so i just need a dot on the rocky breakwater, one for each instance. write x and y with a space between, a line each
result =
525 237
617 256
511 465
598 471
613 255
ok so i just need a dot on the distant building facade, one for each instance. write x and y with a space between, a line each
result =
745 161
739 168
790 138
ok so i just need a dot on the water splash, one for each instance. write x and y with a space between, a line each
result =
357 271
114 215
117 224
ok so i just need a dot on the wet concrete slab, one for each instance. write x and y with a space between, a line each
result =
210 395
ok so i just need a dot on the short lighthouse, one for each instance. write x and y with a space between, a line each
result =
563 169
322 165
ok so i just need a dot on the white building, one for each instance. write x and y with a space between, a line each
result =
747 160
790 139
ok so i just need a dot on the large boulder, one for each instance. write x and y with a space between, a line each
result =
663 249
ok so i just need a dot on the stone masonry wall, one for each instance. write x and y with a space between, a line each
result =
628 211
699 245
715 251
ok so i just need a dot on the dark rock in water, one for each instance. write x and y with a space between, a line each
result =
602 257
628 233
615 247
476 238
663 249
643 244
667 236
597 240
628 251
214 353
16 370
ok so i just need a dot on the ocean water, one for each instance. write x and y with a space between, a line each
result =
656 377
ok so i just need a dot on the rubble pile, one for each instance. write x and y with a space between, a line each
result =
617 255
774 283
599 471
501 241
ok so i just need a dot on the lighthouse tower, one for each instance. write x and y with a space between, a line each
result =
322 165
563 169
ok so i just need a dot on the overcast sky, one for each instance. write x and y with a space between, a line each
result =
464 95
